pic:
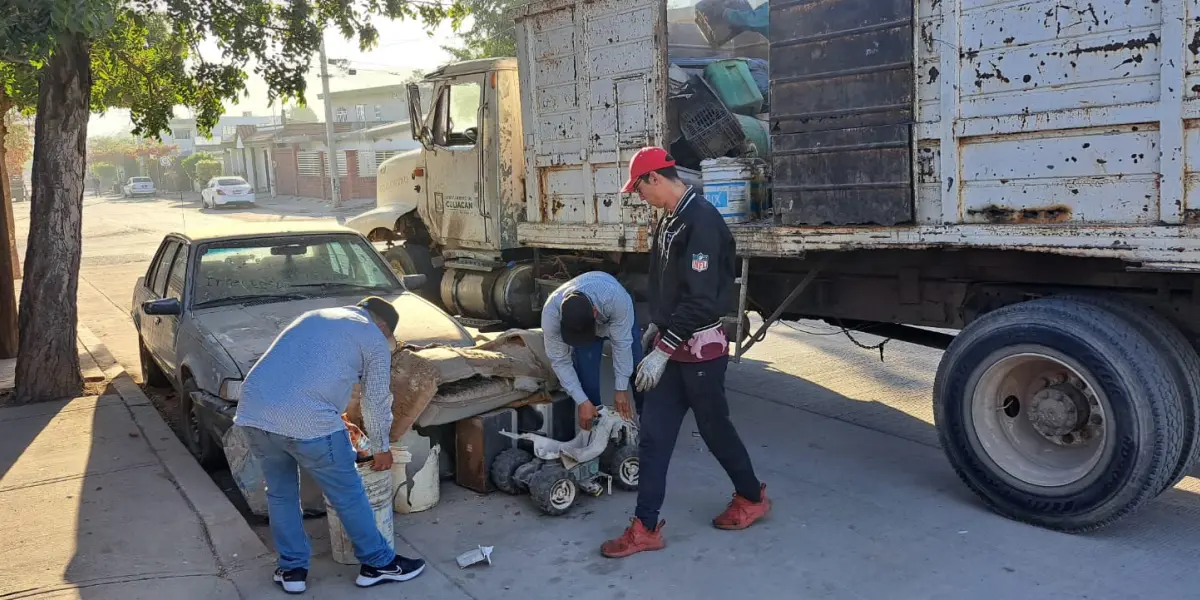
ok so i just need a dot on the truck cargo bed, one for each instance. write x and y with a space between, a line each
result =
1035 126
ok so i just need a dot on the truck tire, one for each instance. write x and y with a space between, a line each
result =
1184 363
1032 400
411 259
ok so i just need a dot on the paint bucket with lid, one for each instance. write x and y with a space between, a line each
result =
378 485
727 185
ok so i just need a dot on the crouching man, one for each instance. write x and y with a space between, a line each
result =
291 408
576 319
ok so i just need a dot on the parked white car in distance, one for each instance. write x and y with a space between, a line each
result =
226 190
138 186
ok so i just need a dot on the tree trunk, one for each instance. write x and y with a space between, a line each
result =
48 362
8 249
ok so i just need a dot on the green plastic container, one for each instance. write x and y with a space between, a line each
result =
735 86
756 132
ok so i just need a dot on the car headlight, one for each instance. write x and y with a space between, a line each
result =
231 389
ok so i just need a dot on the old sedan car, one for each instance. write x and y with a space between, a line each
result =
211 304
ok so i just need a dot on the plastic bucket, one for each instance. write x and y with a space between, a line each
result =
379 492
727 185
756 133
422 489
735 86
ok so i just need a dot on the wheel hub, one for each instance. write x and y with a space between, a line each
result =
1059 410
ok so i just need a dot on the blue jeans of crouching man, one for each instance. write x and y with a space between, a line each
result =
587 361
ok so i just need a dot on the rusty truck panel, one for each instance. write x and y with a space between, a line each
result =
1063 127
592 80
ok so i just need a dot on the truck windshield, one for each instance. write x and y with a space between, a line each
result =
303 265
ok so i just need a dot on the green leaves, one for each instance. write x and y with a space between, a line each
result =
493 32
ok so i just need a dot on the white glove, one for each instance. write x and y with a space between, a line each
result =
648 338
650 370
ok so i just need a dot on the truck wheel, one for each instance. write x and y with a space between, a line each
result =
553 490
1184 362
417 260
505 467
1058 413
195 436
624 466
152 374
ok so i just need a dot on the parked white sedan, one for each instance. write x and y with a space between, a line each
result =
138 186
226 190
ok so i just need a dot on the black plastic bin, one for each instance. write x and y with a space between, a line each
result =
707 125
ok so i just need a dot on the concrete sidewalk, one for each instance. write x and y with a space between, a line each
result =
101 500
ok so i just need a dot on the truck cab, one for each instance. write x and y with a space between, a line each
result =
454 204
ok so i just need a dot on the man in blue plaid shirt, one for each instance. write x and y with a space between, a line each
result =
291 408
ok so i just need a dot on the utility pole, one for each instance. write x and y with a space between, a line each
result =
334 181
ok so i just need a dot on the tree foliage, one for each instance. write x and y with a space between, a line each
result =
18 145
207 169
107 172
67 57
492 32
301 114
189 163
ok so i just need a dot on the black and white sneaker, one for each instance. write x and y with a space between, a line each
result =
292 581
401 569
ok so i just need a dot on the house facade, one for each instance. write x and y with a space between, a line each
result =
186 135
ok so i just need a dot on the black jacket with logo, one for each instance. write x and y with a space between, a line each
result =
692 270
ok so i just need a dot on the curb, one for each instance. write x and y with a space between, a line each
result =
230 538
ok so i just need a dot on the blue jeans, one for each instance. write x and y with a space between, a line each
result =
330 461
587 361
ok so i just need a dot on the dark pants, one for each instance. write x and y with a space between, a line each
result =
699 387
587 361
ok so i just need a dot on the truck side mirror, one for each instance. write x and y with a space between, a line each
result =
413 282
416 123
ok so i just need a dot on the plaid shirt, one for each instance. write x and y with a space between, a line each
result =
301 386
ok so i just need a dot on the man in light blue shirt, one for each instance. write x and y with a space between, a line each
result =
576 319
291 408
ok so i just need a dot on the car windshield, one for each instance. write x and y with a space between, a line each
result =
231 181
288 267
141 180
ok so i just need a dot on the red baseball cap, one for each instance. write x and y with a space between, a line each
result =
648 159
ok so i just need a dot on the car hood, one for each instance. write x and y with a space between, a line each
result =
245 332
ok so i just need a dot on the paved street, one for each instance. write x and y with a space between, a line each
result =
865 504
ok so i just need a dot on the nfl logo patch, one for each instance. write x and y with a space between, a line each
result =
699 263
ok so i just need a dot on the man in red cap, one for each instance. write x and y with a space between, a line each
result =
691 289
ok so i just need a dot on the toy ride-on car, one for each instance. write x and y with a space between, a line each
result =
555 472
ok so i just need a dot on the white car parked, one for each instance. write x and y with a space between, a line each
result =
138 186
226 190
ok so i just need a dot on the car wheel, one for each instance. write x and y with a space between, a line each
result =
196 437
152 374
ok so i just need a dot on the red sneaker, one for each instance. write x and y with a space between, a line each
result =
742 513
635 539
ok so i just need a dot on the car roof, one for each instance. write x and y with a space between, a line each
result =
251 230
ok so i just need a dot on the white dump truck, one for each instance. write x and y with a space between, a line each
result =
1022 172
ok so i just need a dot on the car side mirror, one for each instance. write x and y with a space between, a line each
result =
163 307
413 282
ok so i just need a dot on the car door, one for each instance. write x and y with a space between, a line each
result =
169 327
152 326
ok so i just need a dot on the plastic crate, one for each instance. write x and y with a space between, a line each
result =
708 126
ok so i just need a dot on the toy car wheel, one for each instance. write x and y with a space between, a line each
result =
504 469
624 467
553 490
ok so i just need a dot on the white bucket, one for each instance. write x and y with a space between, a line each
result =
422 490
727 184
379 492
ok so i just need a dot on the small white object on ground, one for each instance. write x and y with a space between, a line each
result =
476 556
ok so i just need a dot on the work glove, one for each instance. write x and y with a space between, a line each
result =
650 370
648 338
